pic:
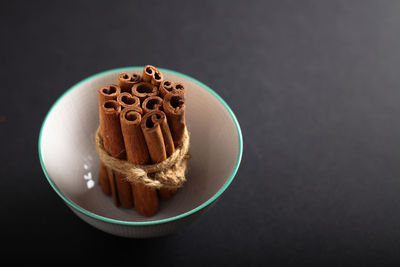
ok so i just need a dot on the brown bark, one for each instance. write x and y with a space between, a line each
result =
153 135
159 141
157 78
145 198
152 103
126 81
147 73
144 90
166 193
166 87
152 75
114 144
179 88
109 92
174 107
126 100
106 178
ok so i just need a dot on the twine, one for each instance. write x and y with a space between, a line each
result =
169 173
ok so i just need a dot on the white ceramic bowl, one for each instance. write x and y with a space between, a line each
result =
70 163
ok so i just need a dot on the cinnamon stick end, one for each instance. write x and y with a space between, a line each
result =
166 193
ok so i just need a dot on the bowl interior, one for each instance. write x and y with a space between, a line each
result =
68 155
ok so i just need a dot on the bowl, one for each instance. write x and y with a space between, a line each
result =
70 163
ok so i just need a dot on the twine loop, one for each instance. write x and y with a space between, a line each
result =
169 173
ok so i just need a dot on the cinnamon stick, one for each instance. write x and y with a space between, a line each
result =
174 108
109 92
127 100
159 141
166 193
152 103
144 90
152 75
145 198
157 78
179 88
114 145
154 138
147 73
166 87
106 178
126 81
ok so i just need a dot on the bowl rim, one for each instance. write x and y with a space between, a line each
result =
131 223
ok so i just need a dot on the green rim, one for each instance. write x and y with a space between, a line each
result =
105 219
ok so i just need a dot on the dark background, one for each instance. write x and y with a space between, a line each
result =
315 86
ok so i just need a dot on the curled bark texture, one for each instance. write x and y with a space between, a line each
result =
135 145
166 87
152 75
126 100
144 90
145 198
106 178
152 103
109 92
160 142
126 81
179 88
174 108
114 144
153 135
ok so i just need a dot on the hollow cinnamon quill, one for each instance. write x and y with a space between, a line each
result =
174 107
152 75
145 198
106 178
144 90
126 100
166 193
179 88
166 87
114 145
152 103
159 141
126 81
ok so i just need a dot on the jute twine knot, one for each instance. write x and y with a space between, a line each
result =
169 173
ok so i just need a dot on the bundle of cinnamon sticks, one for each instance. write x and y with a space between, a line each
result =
142 120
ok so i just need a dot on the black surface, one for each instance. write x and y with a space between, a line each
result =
314 84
